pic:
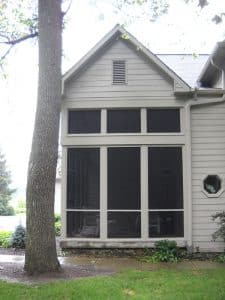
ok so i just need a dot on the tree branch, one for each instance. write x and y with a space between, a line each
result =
13 42
4 36
6 53
68 8
21 39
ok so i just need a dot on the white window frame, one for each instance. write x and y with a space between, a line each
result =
103 140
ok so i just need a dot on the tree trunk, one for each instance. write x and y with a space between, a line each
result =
40 255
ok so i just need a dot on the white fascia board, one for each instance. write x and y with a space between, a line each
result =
127 36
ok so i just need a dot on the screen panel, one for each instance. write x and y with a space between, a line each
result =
166 224
82 224
83 178
124 224
123 120
84 121
124 178
165 178
163 120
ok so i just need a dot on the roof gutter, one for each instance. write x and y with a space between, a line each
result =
204 101
196 91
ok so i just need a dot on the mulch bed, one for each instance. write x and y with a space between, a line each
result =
13 272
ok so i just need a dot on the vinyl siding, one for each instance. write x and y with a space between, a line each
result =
144 79
208 157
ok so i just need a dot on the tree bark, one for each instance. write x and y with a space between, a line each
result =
40 254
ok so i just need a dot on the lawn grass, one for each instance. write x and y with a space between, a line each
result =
162 284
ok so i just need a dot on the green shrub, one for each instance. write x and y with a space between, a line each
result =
221 258
5 237
57 217
7 243
165 251
57 228
57 225
220 232
18 237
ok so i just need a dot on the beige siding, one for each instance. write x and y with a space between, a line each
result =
208 157
144 79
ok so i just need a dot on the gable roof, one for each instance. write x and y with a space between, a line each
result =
119 31
187 66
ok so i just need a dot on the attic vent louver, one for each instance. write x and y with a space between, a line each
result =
119 72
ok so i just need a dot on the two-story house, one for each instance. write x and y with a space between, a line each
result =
143 151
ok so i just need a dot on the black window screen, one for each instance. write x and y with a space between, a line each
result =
163 120
123 121
124 178
124 224
165 178
166 224
83 224
83 182
84 121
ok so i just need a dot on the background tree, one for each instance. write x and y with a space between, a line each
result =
18 23
152 9
5 190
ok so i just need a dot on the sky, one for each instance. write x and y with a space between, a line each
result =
184 29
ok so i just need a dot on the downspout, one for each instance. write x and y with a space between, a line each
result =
187 107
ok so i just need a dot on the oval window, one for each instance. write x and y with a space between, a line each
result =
212 184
